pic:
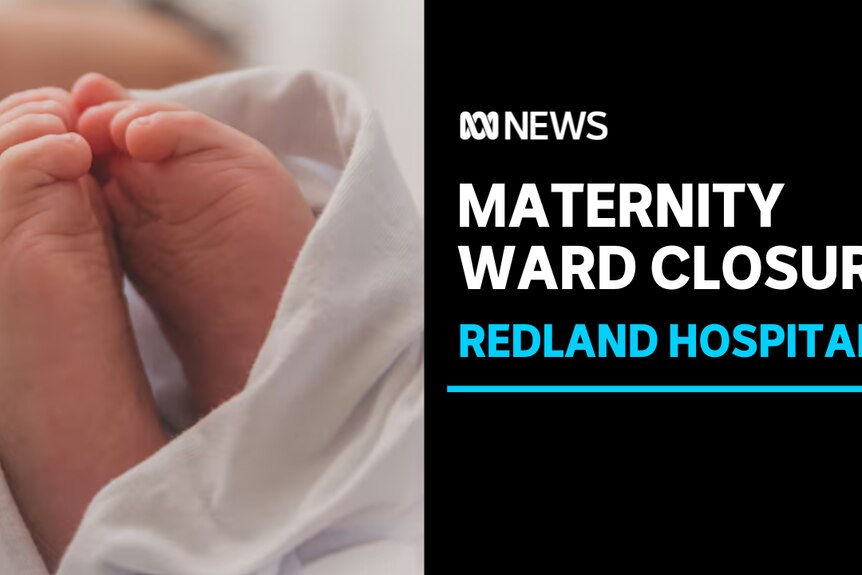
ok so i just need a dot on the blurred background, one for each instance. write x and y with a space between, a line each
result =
155 43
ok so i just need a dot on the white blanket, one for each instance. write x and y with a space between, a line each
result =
316 468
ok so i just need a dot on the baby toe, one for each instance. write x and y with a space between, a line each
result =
174 134
95 126
43 161
41 94
132 114
93 89
29 127
40 101
59 109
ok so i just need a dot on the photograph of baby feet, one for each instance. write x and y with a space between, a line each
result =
209 224
191 220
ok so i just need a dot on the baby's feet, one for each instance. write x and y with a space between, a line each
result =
74 404
209 225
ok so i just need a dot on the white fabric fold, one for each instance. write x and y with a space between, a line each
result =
18 554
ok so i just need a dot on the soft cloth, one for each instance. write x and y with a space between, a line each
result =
316 467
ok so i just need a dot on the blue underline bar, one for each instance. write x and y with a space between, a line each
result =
654 389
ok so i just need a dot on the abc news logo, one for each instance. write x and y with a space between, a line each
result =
533 126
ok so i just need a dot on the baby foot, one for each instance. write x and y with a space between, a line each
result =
209 225
74 404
